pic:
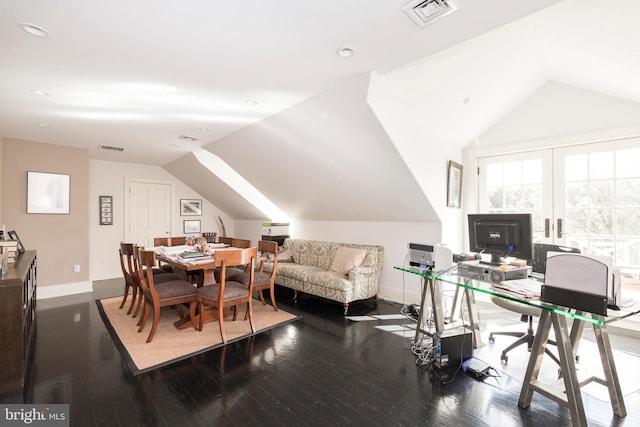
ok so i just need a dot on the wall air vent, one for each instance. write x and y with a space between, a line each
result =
188 138
426 12
110 148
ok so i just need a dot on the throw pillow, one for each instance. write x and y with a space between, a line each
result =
285 256
346 258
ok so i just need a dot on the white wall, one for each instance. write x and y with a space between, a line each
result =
107 179
394 236
426 155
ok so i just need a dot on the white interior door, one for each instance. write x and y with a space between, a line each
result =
149 212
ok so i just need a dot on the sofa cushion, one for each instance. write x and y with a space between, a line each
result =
329 279
297 271
346 258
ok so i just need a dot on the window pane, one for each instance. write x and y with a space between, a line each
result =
512 197
576 167
601 165
532 171
601 221
628 222
576 195
495 196
532 196
627 162
513 173
628 192
495 174
602 246
628 254
576 221
601 193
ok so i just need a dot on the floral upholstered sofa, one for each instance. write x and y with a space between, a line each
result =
342 272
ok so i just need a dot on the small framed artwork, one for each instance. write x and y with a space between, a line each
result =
47 193
14 236
191 226
106 210
454 185
190 207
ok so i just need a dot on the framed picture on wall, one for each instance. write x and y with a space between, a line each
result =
191 226
14 236
454 185
106 210
190 207
47 193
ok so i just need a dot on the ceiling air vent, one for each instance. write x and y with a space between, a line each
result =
188 138
426 12
110 148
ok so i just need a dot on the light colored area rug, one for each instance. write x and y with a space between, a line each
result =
588 364
169 344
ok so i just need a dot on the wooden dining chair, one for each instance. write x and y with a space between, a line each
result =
241 243
235 243
227 293
169 241
173 292
160 275
262 281
127 265
225 240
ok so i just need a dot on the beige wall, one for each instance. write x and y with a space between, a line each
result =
62 241
0 179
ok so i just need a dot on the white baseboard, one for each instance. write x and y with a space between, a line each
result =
66 289
106 274
396 295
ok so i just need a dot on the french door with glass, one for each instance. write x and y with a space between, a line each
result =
585 196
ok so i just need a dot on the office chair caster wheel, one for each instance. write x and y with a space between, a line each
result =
492 339
504 358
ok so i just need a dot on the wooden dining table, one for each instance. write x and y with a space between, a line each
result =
204 269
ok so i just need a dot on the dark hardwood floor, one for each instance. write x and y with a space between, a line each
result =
322 370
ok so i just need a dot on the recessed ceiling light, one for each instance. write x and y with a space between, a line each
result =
251 102
39 92
345 52
205 129
174 146
34 30
44 125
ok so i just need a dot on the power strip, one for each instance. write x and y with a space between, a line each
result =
476 367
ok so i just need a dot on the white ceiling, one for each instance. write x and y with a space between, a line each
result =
139 74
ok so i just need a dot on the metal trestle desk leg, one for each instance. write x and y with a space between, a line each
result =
567 344
431 288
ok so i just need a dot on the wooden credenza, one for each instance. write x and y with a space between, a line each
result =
17 322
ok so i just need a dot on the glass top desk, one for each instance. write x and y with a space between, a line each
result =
566 390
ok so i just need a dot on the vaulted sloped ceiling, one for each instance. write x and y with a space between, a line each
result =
330 158
461 92
191 172
326 158
565 113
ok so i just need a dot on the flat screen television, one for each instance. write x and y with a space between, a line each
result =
501 235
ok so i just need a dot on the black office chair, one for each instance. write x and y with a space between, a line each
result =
527 312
